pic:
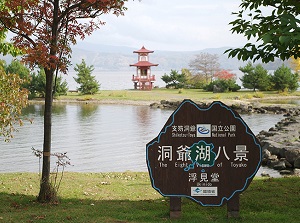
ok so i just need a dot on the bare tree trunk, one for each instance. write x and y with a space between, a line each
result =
46 192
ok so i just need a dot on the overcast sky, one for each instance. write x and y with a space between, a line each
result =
171 25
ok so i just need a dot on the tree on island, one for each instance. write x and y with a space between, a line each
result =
174 79
224 74
273 25
88 83
284 79
255 77
45 31
224 81
205 65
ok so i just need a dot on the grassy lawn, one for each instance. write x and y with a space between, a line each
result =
129 197
174 94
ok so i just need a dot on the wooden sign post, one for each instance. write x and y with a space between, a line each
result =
208 155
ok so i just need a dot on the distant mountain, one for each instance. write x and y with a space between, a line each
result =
105 57
115 58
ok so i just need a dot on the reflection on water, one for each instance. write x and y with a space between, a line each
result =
97 138
88 110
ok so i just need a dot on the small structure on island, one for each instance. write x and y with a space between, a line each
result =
143 80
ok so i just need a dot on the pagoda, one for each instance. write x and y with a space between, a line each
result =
143 80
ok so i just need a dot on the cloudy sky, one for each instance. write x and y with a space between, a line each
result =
171 25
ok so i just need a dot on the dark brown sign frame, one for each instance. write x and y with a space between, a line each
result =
208 155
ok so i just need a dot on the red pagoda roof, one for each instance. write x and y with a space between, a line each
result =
143 64
143 50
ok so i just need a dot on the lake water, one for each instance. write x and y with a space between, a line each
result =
97 137
114 80
120 80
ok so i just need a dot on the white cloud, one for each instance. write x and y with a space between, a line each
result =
171 25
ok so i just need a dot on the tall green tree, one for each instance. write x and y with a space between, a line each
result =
284 79
272 28
45 31
255 77
88 83
16 67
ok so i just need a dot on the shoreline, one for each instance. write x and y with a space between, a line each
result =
254 101
94 101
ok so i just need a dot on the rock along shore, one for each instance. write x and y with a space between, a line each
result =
280 144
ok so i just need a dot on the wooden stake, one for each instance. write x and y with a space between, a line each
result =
233 207
175 207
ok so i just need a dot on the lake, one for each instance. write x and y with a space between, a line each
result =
97 137
120 80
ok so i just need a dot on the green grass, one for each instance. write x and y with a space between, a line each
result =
129 197
172 94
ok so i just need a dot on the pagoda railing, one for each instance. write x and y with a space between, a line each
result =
143 78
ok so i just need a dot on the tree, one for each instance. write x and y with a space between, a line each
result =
205 65
193 81
273 25
88 83
5 47
295 64
45 30
16 67
12 97
61 86
187 73
225 81
284 80
37 85
255 77
174 79
12 100
225 75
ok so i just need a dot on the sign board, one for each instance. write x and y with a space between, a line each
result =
206 154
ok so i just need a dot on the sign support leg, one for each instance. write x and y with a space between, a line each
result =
233 207
175 207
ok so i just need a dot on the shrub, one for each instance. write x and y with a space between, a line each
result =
248 96
259 95
222 85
